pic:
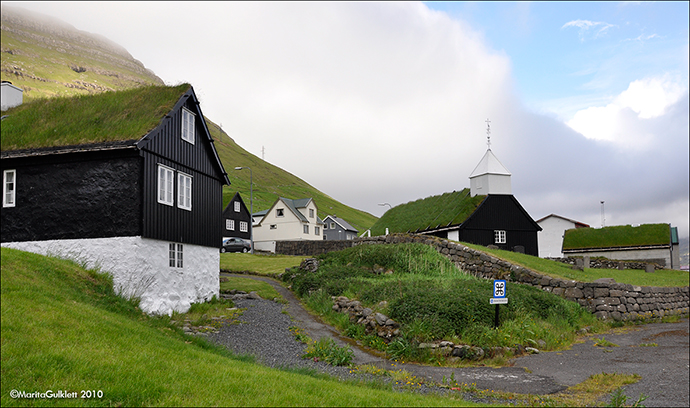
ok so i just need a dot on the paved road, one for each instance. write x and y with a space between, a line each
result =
664 368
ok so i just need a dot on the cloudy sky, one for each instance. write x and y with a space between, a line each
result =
387 102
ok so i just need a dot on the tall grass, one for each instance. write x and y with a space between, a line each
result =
433 300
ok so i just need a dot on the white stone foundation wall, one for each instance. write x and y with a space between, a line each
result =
140 268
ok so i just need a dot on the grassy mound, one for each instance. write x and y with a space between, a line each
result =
433 300
63 329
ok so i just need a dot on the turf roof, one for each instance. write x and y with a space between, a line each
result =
98 118
429 213
617 236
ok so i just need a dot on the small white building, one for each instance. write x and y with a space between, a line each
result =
287 220
11 95
553 228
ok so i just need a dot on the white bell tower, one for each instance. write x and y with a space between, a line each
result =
490 176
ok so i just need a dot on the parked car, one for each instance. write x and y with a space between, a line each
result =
235 245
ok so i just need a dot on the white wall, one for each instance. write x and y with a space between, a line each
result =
490 184
140 268
288 227
10 96
550 238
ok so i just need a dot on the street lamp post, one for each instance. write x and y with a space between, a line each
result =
251 206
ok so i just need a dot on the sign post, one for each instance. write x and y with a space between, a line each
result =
500 297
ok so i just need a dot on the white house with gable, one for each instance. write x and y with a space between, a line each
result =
551 235
287 220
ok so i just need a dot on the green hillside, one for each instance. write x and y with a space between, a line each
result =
64 329
48 58
271 182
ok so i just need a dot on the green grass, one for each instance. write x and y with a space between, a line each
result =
663 277
617 236
267 265
64 329
263 289
431 212
432 300
105 117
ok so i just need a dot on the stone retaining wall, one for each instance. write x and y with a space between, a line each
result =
604 297
605 263
310 248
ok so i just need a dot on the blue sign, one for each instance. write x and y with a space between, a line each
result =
500 288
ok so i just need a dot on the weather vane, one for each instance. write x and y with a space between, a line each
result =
488 134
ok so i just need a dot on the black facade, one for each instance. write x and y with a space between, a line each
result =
92 192
499 213
231 219
74 196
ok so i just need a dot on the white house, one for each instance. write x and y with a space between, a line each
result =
287 220
10 95
551 235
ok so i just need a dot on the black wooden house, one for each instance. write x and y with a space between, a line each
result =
237 222
142 201
484 214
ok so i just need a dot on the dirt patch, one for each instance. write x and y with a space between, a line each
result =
668 333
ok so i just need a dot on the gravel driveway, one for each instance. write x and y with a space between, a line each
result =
664 367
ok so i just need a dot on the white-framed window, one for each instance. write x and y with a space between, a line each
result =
332 225
244 226
499 237
237 206
188 125
9 188
317 231
165 185
175 255
184 191
305 228
274 226
280 212
311 213
229 224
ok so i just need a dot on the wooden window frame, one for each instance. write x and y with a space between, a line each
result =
229 224
184 191
500 236
166 185
188 125
9 188
244 226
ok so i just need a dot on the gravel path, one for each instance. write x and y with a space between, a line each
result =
264 333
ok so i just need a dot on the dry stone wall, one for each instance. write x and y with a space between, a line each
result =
605 298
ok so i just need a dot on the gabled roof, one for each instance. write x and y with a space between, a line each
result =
293 206
104 121
236 197
620 236
429 213
489 164
344 224
578 224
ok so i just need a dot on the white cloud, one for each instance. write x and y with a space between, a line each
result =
598 28
644 99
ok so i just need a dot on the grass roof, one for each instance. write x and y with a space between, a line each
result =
105 117
429 213
617 236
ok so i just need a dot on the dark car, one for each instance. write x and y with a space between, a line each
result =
235 245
